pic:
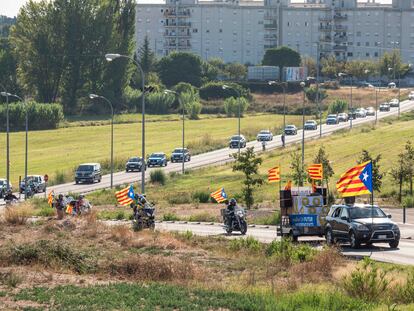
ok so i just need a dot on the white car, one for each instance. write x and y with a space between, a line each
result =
264 135
411 95
394 103
360 113
392 85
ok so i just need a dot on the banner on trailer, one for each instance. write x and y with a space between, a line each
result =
292 74
311 205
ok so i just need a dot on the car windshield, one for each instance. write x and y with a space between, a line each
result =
178 150
236 137
134 160
157 155
290 127
85 168
310 122
264 132
366 212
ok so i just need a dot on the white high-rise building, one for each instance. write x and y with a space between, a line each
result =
241 31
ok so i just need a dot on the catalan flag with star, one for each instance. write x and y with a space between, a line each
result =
315 171
125 196
274 175
356 181
219 195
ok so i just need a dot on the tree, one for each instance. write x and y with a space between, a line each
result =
8 67
146 57
231 106
248 163
337 106
312 93
191 102
180 67
331 67
236 71
399 174
208 72
282 56
376 174
392 60
360 69
409 164
310 64
322 158
298 175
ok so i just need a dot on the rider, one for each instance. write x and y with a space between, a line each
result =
263 145
10 196
60 206
230 210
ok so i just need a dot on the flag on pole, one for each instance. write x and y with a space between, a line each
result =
315 171
288 185
356 181
50 198
219 195
313 186
125 196
274 175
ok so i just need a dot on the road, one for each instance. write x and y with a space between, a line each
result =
221 156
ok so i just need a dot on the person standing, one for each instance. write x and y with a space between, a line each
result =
60 207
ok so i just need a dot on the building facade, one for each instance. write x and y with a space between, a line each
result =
241 31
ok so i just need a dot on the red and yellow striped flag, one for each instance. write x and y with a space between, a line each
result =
356 181
274 175
219 195
123 196
288 186
315 171
50 198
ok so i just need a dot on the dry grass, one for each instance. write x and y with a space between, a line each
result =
121 234
17 216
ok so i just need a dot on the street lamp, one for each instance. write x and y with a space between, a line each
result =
183 117
395 43
283 85
94 96
5 94
225 87
342 74
303 84
110 57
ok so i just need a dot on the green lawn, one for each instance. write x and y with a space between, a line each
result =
59 151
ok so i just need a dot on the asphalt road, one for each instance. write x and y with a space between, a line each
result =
222 156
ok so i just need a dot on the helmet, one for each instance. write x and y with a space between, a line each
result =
142 199
9 191
60 196
233 202
81 196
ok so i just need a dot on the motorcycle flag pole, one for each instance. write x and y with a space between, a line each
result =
280 200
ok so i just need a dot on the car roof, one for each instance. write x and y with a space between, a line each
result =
163 153
89 164
359 205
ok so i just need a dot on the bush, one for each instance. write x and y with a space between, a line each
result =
405 292
249 244
231 106
159 103
271 220
214 90
40 116
46 212
337 106
408 201
311 94
192 105
179 198
184 87
16 215
202 217
201 196
170 217
132 98
331 85
158 177
292 253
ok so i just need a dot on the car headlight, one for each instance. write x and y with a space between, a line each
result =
361 227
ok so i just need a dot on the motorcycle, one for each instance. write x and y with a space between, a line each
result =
235 221
77 206
144 216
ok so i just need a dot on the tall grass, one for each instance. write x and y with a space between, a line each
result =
158 176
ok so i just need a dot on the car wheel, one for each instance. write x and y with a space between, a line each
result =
329 237
353 240
394 244
165 164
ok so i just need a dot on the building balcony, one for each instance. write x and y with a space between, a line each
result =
270 26
173 14
325 28
340 39
181 46
325 18
179 35
174 25
325 39
340 48
339 16
340 28
270 37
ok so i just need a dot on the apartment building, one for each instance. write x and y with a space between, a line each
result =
241 31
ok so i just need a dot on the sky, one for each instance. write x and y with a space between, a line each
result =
11 7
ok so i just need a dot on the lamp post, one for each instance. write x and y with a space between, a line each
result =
303 84
225 87
341 74
94 96
395 43
5 94
283 85
111 57
183 117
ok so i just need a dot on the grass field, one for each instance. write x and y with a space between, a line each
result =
58 152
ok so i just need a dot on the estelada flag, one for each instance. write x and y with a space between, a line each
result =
50 198
315 171
274 175
125 196
219 195
356 181
288 185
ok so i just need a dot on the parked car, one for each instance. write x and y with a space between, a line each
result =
38 183
392 85
411 95
384 107
237 141
310 125
370 111
360 113
394 103
291 129
157 159
360 224
135 164
3 187
265 135
332 119
343 117
88 172
178 154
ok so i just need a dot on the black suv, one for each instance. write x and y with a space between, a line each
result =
237 141
135 164
88 172
178 154
157 159
360 224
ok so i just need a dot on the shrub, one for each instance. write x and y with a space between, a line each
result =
192 105
179 198
405 293
311 94
231 106
170 217
16 215
40 116
332 85
158 177
250 244
10 279
292 253
214 90
184 87
159 103
366 282
408 201
201 196
337 106
202 217
46 212
132 98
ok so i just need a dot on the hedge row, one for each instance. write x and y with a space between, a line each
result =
40 116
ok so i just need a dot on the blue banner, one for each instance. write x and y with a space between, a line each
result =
303 220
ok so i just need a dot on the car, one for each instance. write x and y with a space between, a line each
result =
343 117
384 107
157 159
394 103
360 113
237 141
3 187
135 164
265 135
38 181
352 114
360 224
310 125
370 111
411 95
88 173
179 153
332 119
392 85
291 129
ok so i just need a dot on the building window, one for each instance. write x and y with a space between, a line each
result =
350 54
195 30
220 30
367 54
376 54
207 31
358 43
306 24
366 43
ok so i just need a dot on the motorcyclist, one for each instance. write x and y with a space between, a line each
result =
60 206
10 196
231 206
